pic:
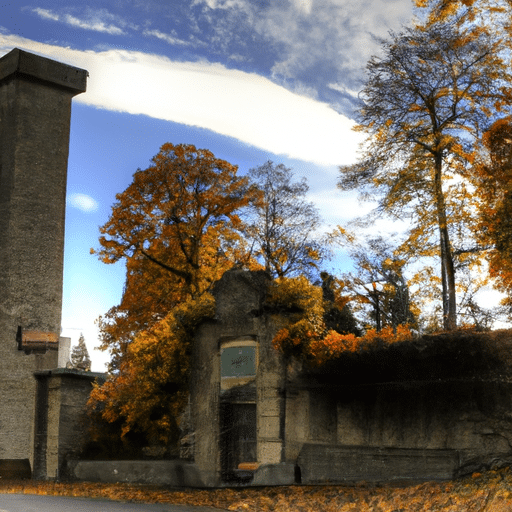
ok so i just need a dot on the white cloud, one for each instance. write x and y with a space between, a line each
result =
221 4
46 14
94 24
83 202
242 105
97 21
166 37
303 5
336 33
314 41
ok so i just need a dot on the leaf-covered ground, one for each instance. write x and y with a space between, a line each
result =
488 492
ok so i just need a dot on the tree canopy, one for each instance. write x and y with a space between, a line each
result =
494 186
79 358
492 12
378 282
282 224
181 213
425 104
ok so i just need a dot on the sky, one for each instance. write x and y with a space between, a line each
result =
250 80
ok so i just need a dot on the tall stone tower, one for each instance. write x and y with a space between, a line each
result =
35 112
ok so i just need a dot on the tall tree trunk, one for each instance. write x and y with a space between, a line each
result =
376 305
447 267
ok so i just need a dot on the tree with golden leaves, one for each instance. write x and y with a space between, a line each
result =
146 395
494 13
494 179
425 103
181 214
150 293
177 226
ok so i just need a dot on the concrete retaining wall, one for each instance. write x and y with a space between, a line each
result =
173 473
345 464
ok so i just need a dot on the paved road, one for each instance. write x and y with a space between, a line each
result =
32 503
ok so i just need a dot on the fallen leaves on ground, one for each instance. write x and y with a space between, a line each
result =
487 492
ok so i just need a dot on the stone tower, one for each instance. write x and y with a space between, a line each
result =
35 111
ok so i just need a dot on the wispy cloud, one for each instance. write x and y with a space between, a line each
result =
82 202
93 24
97 21
245 106
168 38
221 4
46 14
314 42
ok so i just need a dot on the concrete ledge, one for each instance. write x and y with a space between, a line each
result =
156 472
274 474
19 62
340 464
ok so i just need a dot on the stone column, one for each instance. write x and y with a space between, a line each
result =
35 111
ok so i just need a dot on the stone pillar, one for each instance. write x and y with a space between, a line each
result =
61 428
35 111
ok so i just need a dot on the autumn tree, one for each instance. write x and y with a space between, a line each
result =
146 395
492 12
150 292
377 281
494 186
338 315
306 335
181 213
282 224
177 226
425 103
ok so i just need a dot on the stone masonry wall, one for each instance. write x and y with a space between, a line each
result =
239 297
421 430
61 425
35 109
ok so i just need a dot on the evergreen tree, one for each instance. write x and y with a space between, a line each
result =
79 358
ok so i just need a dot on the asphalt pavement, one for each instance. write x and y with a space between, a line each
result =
34 503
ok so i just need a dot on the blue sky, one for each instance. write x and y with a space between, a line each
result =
251 80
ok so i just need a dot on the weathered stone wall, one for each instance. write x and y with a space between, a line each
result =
61 426
175 473
331 430
342 423
320 464
35 108
239 297
443 426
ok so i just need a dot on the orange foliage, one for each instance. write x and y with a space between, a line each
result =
494 178
150 292
489 491
334 344
182 215
150 388
467 10
177 226
305 335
